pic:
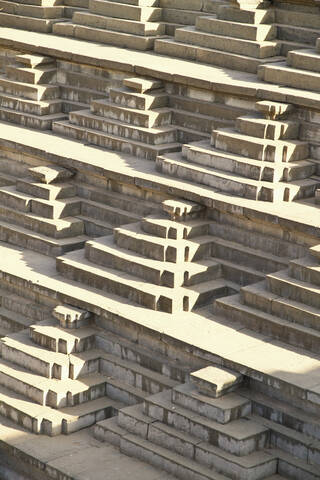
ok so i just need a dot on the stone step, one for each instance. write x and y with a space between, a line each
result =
74 266
96 228
180 17
6 180
33 11
41 25
131 351
40 108
32 60
254 126
140 3
19 349
133 27
13 321
282 284
315 251
124 393
109 431
239 437
46 191
50 173
51 392
147 118
257 296
49 335
307 36
297 18
135 375
267 324
291 467
259 149
223 410
105 253
240 274
132 237
137 206
202 153
57 228
28 91
257 259
141 101
142 84
71 317
29 120
282 74
245 31
124 10
112 142
152 136
306 59
194 36
162 227
38 242
101 35
206 107
248 16
27 309
41 3
208 55
175 166
106 213
306 269
197 122
74 93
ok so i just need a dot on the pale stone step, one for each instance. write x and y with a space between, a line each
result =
253 17
306 269
158 226
33 11
107 213
50 174
240 274
141 101
224 410
180 17
28 91
140 3
315 251
152 136
38 242
191 35
124 393
79 94
298 18
109 431
198 122
96 228
6 179
282 284
76 267
307 36
306 59
45 191
28 309
72 317
148 118
48 334
267 324
132 27
254 126
236 252
9 197
112 142
214 381
32 60
257 296
57 228
119 346
288 465
132 374
142 84
42 25
104 252
282 74
260 149
43 122
124 10
202 153
132 237
47 3
246 31
208 55
240 437
175 166
43 107
207 108
51 392
19 349
13 321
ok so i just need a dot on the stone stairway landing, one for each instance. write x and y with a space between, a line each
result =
135 120
261 159
28 94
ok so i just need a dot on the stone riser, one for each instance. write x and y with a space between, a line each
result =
146 101
243 31
34 24
61 345
30 92
125 11
30 121
46 192
157 227
13 322
92 122
34 76
281 284
306 270
105 213
23 106
285 75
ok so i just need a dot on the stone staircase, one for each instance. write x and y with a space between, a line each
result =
285 305
173 255
39 212
301 70
239 39
213 427
34 15
28 94
131 24
134 120
55 377
261 159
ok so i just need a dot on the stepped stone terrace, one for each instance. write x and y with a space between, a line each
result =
159 239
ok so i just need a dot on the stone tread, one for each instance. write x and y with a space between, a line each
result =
31 103
51 329
112 209
53 117
283 277
237 429
18 318
312 471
